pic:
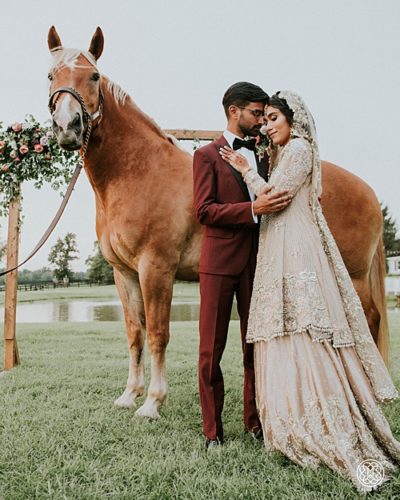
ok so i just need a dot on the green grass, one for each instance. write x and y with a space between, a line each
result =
61 437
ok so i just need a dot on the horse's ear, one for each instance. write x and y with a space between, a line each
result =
53 39
97 44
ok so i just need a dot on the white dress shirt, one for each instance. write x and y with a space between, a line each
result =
251 159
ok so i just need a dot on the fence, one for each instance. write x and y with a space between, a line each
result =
43 285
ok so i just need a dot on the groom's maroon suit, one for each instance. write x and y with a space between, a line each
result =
227 265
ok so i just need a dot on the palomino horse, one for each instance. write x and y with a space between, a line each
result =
145 219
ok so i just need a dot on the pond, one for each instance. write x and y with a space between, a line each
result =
86 310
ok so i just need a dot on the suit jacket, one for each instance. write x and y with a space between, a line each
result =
223 205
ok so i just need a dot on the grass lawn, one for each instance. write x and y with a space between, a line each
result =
61 437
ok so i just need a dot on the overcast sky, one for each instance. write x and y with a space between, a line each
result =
176 58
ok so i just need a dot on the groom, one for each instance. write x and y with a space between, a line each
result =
230 212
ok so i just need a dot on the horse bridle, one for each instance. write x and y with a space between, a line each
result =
88 118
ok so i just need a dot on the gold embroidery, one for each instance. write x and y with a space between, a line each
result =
294 295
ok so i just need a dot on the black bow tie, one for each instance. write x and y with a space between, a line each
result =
239 143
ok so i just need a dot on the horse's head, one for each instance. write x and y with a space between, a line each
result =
75 92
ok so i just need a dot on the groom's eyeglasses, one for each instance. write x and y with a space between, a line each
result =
257 113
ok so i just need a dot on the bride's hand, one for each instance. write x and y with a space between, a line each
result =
237 161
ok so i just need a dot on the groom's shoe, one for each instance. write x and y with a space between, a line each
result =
213 443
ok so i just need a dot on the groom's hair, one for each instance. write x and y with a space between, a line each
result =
241 93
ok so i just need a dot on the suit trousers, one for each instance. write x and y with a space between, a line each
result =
216 298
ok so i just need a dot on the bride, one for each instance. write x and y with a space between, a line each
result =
319 375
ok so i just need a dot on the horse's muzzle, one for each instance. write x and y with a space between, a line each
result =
70 137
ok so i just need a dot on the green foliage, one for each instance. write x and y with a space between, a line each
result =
43 274
99 270
3 250
62 254
29 152
391 243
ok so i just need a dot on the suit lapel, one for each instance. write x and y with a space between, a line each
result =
221 142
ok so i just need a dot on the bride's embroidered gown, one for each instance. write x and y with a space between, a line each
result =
319 375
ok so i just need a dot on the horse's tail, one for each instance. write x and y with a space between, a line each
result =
377 287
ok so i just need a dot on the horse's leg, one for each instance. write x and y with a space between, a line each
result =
157 287
363 289
131 297
380 328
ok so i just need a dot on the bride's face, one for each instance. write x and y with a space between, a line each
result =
278 128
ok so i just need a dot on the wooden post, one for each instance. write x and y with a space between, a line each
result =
11 355
190 135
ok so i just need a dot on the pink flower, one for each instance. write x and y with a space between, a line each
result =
38 148
17 127
13 154
5 168
23 149
2 144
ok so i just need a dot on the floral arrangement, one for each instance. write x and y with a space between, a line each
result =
29 152
262 143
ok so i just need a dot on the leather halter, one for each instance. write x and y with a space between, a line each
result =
89 118
70 90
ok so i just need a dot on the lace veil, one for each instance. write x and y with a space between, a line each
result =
303 126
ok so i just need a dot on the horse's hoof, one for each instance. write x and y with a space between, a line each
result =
148 410
127 400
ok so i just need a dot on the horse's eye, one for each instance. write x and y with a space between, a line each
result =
95 77
50 76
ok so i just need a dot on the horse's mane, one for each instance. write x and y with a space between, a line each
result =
121 96
69 57
116 91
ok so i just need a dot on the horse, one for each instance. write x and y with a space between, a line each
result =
145 219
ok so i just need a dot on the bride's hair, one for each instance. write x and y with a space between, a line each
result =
280 103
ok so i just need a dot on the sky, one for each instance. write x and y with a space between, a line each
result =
176 58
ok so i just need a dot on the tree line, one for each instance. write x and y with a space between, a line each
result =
391 243
60 258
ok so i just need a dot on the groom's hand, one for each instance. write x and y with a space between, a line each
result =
268 203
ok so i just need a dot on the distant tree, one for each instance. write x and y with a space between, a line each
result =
62 254
27 276
99 270
80 276
3 250
392 244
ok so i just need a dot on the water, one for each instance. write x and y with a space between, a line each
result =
100 310
85 310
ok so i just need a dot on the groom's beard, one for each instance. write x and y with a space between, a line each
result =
250 132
